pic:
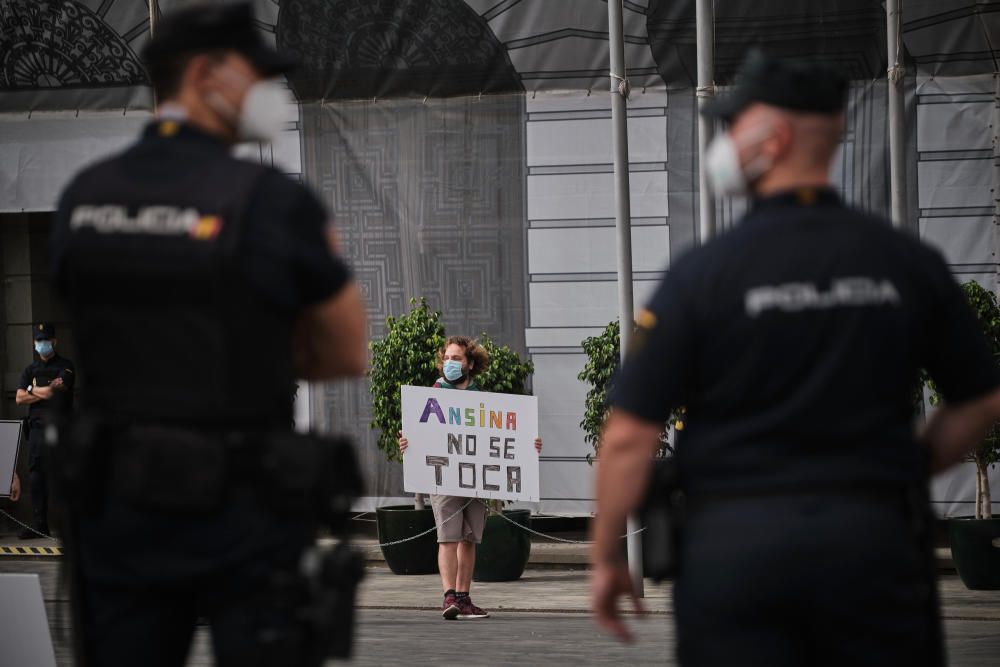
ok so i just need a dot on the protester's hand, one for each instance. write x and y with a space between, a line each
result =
15 489
403 443
608 582
538 445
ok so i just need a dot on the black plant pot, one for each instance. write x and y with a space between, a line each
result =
504 552
398 522
976 559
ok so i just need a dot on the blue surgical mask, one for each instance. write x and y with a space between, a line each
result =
453 370
43 347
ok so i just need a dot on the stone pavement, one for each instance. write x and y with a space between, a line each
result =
541 618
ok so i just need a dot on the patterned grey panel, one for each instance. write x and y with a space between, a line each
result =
377 48
62 43
429 200
849 33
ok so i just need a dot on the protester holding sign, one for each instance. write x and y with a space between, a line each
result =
460 520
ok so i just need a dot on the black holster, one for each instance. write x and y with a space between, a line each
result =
662 513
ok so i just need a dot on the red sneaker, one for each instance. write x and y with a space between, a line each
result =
468 611
450 608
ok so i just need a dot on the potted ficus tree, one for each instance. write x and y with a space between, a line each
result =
407 355
974 538
603 354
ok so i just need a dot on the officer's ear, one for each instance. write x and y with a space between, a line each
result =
779 143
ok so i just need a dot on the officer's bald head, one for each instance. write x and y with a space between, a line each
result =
797 146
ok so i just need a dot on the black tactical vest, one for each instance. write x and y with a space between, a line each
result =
168 329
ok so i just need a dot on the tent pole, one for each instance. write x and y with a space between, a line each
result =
705 20
897 120
995 188
623 225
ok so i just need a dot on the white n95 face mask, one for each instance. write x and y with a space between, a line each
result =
265 112
722 164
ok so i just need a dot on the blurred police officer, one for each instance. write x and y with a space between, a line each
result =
200 286
46 386
795 342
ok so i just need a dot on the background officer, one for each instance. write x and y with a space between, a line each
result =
46 386
795 341
226 276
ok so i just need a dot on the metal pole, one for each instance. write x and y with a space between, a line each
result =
623 224
996 174
705 26
153 9
897 120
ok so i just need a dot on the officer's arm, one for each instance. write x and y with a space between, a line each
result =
331 337
954 430
22 397
628 444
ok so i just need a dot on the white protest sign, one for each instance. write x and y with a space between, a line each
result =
24 625
470 443
10 438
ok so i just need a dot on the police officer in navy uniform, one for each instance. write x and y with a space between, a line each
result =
46 386
200 286
795 341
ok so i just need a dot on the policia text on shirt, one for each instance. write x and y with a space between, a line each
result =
200 286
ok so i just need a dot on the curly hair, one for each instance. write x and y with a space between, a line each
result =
474 354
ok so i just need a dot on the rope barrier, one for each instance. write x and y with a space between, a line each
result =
496 513
380 545
24 525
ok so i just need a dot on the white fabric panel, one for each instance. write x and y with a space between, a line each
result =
954 183
586 196
953 492
591 249
967 240
954 127
40 155
560 403
583 304
576 142
559 336
560 410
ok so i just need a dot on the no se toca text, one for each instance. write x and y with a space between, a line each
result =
473 475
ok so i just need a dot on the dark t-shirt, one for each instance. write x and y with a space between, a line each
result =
795 341
185 270
40 373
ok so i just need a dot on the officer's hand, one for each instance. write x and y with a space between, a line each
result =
609 581
538 445
15 489
403 443
57 383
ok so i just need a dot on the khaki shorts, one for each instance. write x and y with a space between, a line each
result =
464 524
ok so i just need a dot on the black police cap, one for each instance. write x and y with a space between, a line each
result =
804 85
43 331
215 27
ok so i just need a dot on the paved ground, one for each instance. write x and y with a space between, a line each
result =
546 611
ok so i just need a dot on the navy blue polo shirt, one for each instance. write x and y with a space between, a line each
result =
795 341
41 373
